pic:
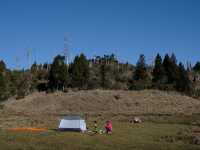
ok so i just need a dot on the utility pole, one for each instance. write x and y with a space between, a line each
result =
66 50
17 63
29 57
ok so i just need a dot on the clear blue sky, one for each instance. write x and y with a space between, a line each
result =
96 27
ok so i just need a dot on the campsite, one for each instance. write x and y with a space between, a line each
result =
169 129
99 74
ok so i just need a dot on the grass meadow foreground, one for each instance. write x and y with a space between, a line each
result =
168 120
145 136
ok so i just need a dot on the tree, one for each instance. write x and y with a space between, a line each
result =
196 68
2 67
158 71
183 83
140 78
167 65
103 75
4 91
141 69
34 68
171 68
106 75
15 77
173 59
58 75
24 84
80 71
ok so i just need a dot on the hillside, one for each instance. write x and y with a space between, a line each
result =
100 102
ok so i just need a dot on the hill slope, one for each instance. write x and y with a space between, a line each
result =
104 102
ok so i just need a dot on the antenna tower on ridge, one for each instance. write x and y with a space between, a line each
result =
66 50
29 57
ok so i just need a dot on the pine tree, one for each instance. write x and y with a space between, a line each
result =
158 71
4 91
58 75
173 59
34 68
141 69
80 71
2 67
171 68
196 68
166 65
183 83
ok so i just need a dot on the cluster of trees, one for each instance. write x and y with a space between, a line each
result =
197 67
104 72
165 75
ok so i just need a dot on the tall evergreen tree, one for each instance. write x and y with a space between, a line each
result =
158 71
4 91
141 69
196 68
58 75
173 59
3 94
166 64
2 67
183 83
171 68
80 71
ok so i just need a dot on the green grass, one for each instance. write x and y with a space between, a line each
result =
146 136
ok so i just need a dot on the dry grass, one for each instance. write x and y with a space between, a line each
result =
45 110
99 101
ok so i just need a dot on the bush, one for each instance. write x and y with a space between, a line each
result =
195 93
141 85
119 86
164 87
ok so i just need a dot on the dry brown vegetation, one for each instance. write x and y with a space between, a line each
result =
41 109
100 101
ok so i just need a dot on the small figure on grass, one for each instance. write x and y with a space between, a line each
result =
108 127
95 127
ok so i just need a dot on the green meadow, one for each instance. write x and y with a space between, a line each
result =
145 136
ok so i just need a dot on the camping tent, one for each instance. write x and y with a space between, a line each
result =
72 123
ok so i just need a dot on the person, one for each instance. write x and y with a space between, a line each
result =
95 127
108 127
137 120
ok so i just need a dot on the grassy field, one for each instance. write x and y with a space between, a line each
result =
145 136
169 119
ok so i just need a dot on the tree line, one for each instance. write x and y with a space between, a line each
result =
104 72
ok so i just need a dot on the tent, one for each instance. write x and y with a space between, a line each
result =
72 123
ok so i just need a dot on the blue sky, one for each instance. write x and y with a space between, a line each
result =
96 27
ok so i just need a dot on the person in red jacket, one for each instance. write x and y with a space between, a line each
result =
108 127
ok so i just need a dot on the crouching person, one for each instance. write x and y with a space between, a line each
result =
108 127
137 120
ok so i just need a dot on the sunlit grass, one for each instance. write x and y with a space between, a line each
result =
146 136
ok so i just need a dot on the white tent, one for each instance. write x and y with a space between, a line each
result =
72 123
